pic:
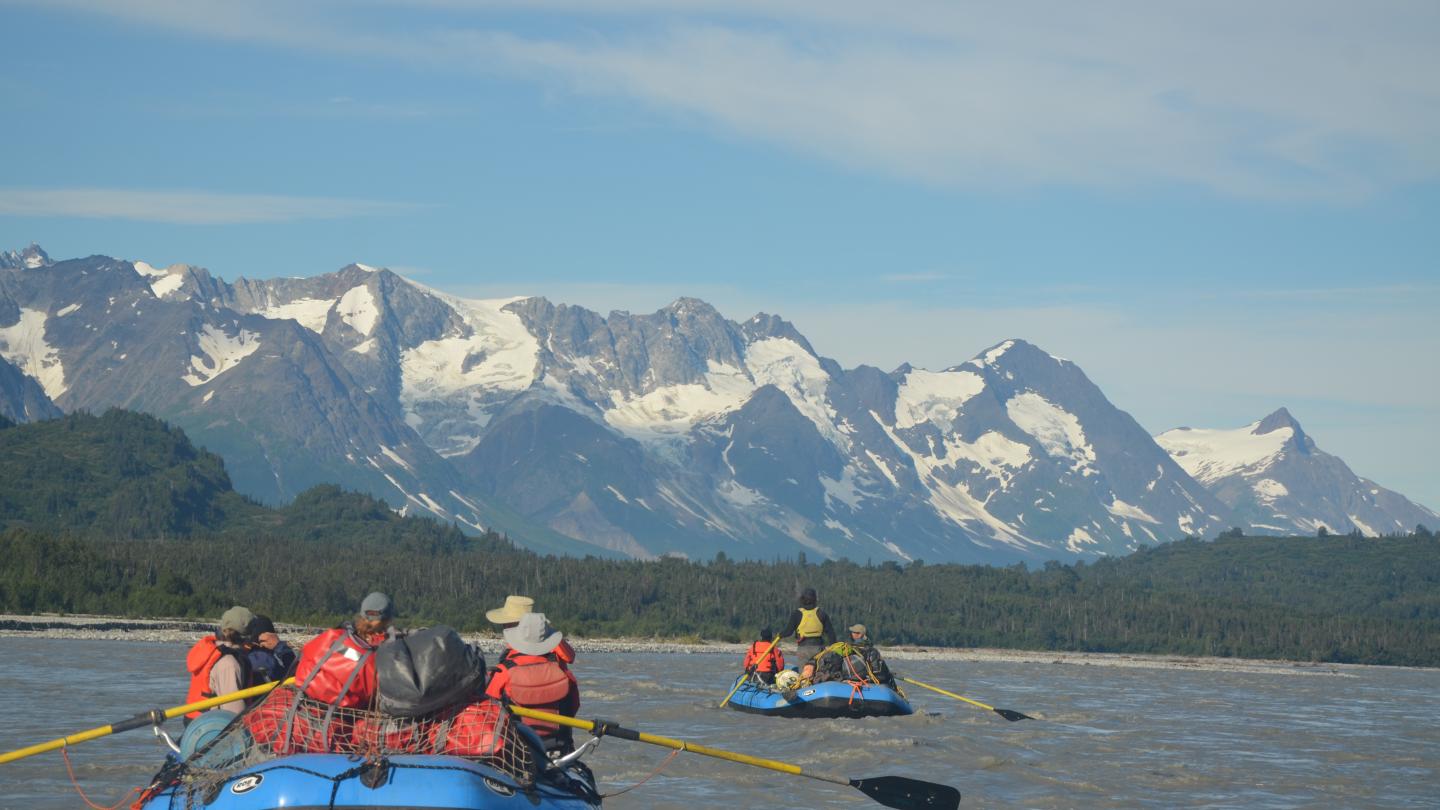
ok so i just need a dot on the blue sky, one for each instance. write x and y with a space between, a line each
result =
1215 209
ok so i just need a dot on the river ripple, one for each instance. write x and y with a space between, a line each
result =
1110 737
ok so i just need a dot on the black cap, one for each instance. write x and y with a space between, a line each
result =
767 634
262 624
807 597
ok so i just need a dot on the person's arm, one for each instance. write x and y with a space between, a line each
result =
826 628
498 681
565 652
224 679
790 625
779 658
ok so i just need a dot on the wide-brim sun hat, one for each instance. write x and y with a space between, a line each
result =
533 635
511 611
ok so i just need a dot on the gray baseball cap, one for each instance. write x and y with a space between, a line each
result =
238 619
377 606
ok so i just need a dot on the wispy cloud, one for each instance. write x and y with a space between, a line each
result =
186 207
908 278
1232 97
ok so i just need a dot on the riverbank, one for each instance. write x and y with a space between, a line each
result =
181 631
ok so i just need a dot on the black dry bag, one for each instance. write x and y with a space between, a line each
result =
427 670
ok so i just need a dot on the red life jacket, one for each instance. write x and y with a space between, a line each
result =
771 662
538 682
338 667
200 660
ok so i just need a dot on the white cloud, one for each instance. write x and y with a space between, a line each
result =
1283 100
185 207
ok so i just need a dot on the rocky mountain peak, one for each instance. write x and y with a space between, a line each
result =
1282 419
28 258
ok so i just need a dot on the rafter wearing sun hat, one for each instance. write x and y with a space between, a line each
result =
509 613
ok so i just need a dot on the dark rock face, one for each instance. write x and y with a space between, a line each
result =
21 398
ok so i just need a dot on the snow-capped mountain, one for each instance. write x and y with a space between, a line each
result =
30 258
1277 481
674 432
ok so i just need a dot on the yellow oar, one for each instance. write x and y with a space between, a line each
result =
1008 714
891 791
154 717
748 672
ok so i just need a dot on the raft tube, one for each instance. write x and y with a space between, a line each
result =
829 699
315 781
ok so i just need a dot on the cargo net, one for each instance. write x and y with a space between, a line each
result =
286 722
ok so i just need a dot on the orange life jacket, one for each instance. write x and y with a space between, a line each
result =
338 667
762 662
202 658
539 682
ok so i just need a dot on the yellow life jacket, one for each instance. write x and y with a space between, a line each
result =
810 624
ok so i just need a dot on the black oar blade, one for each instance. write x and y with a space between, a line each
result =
1012 715
908 794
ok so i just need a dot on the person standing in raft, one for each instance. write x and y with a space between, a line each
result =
338 666
765 664
508 615
218 663
812 630
270 658
531 674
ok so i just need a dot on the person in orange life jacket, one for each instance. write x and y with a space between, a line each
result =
812 630
531 674
508 615
765 664
338 666
219 664
270 658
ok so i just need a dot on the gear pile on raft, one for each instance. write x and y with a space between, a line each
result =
376 718
830 678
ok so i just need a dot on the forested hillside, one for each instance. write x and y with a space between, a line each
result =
1331 598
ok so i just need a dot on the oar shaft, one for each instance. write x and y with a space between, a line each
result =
679 745
152 717
948 694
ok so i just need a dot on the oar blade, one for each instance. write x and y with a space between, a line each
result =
908 794
1012 715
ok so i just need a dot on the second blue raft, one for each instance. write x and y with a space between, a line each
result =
829 699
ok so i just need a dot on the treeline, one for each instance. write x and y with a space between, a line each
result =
119 514
1333 599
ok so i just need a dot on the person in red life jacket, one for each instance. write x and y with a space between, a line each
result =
812 630
508 615
338 666
219 664
764 664
531 674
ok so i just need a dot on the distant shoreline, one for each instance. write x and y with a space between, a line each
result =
179 631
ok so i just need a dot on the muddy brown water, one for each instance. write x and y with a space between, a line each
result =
1110 737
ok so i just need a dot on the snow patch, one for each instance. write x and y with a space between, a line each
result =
1122 509
1058 431
1209 455
364 347
311 313
219 352
1268 489
23 344
844 489
935 397
616 493
395 457
1364 529
162 282
1077 538
357 308
67 310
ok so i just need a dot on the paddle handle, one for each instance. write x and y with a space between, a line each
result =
154 717
748 670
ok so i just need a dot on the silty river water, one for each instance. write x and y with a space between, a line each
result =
1109 737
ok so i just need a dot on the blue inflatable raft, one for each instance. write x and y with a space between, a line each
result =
829 699
314 781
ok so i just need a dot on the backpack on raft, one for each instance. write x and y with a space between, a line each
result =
337 667
427 671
